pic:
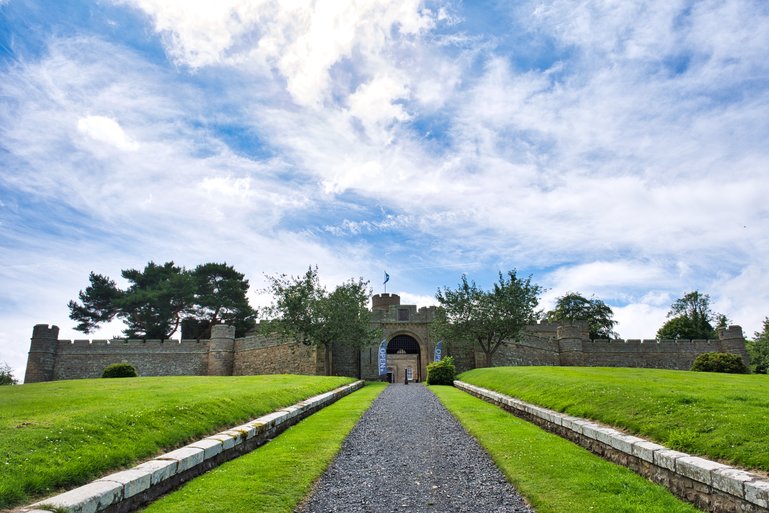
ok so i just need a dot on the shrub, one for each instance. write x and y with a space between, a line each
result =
719 362
6 375
442 372
120 370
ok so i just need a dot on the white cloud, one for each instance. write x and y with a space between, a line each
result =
106 130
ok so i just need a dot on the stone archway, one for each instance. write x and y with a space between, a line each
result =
404 357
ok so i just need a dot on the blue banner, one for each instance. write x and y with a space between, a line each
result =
383 357
438 351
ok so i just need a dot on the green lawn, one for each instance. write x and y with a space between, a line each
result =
719 416
65 433
554 474
277 476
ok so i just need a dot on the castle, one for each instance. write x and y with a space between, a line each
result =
406 348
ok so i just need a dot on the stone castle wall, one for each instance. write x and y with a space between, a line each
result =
542 344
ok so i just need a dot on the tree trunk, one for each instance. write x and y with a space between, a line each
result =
327 363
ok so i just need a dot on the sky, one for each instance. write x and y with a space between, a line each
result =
611 148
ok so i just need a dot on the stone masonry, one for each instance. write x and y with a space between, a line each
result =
223 354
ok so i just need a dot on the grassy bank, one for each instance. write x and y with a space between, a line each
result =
553 474
65 433
277 476
719 416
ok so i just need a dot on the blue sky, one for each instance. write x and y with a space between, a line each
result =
611 148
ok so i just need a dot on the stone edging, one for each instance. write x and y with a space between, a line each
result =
127 490
707 484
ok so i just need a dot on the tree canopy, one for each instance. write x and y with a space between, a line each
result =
758 349
469 314
691 317
302 309
573 306
160 296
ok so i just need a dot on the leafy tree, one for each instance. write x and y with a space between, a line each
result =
758 349
469 314
6 375
221 297
575 307
160 296
304 310
690 317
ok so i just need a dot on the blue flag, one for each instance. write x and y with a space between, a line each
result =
438 352
387 277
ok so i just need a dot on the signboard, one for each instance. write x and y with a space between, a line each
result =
438 351
383 357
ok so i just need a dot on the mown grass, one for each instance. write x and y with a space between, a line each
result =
719 416
64 433
555 475
277 476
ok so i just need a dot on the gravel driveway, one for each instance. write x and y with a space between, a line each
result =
408 454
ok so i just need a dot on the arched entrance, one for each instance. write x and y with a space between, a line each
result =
404 359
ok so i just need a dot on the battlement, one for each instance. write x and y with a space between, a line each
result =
385 301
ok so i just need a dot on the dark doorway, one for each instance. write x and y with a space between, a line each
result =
404 358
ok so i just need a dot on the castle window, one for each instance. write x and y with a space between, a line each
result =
403 314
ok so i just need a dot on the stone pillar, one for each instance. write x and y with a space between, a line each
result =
42 353
221 350
731 340
569 338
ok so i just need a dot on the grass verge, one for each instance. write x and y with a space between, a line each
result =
554 474
277 476
718 416
65 433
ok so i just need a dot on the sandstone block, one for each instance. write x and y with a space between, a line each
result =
134 480
210 446
185 458
667 458
732 481
90 498
624 443
757 492
160 469
227 441
698 469
645 450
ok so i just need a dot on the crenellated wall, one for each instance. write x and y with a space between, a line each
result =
224 355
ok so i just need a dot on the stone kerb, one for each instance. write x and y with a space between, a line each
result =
707 484
130 489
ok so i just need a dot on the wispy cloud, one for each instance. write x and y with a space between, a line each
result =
612 149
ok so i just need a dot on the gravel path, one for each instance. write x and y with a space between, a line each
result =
408 454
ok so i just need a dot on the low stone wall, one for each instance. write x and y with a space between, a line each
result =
709 485
130 489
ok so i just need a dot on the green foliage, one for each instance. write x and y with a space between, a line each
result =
575 307
470 315
690 317
758 349
62 434
6 375
119 370
719 362
159 296
442 372
553 474
726 412
278 475
302 309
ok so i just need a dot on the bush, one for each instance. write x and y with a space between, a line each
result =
442 372
6 375
719 362
120 370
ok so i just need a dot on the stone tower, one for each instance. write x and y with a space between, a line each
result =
221 350
42 353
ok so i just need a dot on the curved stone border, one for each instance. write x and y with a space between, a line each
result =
130 489
707 484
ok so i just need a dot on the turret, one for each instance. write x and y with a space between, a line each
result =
42 353
221 350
